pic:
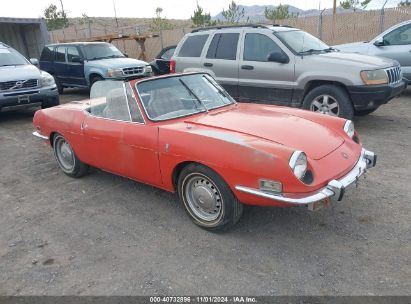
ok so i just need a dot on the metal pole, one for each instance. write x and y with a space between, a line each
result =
335 7
382 17
161 39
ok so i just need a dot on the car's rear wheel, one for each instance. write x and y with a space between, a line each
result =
207 198
329 99
67 159
364 112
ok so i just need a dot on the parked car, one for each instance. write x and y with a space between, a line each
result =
394 43
161 63
286 66
183 133
81 64
22 84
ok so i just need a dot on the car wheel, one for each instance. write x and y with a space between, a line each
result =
208 199
94 79
60 88
364 112
329 99
67 159
48 104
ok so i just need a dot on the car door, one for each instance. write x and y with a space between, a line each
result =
75 68
261 80
60 63
116 137
396 45
222 59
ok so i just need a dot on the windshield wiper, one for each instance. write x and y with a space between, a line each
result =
310 51
330 49
11 64
192 93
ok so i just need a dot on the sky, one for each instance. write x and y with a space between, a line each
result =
174 9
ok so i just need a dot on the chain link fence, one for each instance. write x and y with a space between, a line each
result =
333 29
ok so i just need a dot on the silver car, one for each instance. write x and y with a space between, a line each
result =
286 66
394 43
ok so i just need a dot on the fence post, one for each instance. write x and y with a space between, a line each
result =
382 15
161 39
320 25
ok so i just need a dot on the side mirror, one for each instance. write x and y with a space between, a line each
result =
77 59
278 57
379 42
34 61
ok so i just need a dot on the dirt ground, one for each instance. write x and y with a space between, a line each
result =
106 235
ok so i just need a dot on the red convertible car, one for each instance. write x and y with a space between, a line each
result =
183 133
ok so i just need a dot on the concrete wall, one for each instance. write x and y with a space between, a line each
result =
28 36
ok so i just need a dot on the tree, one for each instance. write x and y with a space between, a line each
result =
279 13
159 23
55 19
234 13
354 4
406 3
200 18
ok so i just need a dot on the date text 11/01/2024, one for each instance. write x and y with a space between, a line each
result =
202 299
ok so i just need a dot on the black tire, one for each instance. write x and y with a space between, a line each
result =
364 112
48 104
60 87
210 183
335 93
78 168
94 79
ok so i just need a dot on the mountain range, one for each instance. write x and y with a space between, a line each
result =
255 13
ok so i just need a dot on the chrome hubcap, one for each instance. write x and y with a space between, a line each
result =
65 155
325 104
203 197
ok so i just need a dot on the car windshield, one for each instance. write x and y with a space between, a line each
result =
177 96
301 42
101 51
10 57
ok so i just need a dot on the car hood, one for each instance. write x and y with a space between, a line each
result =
361 61
19 72
114 63
355 47
265 123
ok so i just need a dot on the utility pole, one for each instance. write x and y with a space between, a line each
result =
335 7
63 13
115 14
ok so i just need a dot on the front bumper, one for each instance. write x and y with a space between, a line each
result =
335 188
369 97
10 100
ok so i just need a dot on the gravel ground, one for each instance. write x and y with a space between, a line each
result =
106 235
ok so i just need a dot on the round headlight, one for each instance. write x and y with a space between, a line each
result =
298 163
349 128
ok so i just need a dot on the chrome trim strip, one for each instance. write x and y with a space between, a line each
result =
335 188
37 134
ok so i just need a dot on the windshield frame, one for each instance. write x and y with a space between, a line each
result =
84 50
18 55
204 110
276 34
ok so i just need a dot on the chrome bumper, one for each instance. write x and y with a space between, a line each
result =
335 188
37 134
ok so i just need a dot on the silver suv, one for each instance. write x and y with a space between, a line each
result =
22 84
286 66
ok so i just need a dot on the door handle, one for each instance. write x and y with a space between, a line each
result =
208 64
247 67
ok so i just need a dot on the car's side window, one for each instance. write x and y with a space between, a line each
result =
168 54
223 46
193 46
399 36
72 52
47 54
257 47
60 54
135 112
109 100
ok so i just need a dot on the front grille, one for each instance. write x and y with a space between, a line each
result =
133 71
19 84
394 74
